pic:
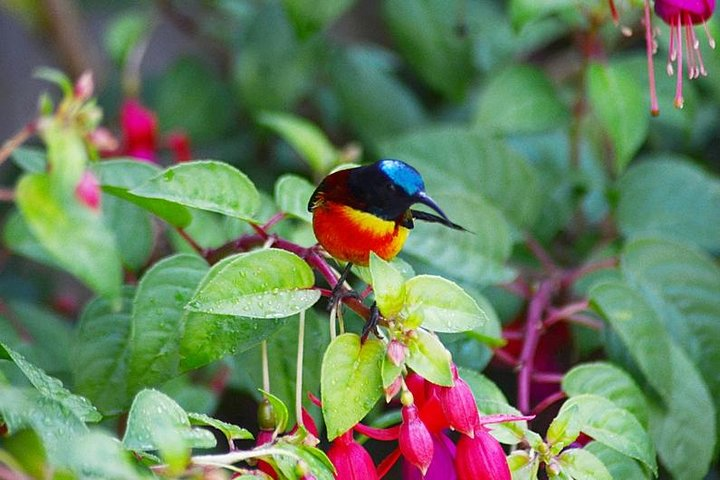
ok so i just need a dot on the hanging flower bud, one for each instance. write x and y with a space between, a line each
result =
139 128
396 352
459 407
481 458
351 460
442 466
416 443
84 86
87 191
179 144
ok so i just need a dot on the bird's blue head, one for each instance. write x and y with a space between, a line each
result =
402 175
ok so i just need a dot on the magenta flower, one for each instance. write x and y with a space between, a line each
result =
442 466
481 458
351 460
416 444
87 191
459 407
139 129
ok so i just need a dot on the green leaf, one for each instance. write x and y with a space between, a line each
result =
125 33
684 428
617 464
76 238
612 426
626 123
440 305
133 230
376 104
292 194
157 319
583 465
564 429
670 197
388 286
640 330
18 238
315 459
25 447
524 12
306 138
30 159
280 411
100 356
426 33
206 185
351 381
523 466
608 381
151 414
231 432
429 358
96 455
267 283
66 154
51 388
310 16
520 99
472 163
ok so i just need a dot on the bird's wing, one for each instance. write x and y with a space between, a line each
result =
429 217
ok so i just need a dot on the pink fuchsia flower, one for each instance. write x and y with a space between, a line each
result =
415 441
481 458
442 466
351 460
87 191
139 129
459 407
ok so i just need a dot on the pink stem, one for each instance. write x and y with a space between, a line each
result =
540 253
563 313
555 397
547 377
649 45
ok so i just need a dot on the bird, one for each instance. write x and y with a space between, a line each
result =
366 209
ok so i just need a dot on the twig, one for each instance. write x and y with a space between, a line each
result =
563 313
16 140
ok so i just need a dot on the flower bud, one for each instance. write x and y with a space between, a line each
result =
396 352
103 140
459 407
87 191
139 127
415 441
84 86
179 143
481 458
351 460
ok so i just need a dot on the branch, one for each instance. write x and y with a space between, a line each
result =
16 140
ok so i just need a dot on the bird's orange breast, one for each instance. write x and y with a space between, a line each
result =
350 235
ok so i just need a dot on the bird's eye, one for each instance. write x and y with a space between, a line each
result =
391 187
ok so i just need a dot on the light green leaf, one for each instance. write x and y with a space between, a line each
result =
351 381
524 12
267 283
231 432
388 286
429 358
608 381
617 464
100 356
206 185
523 466
564 429
626 123
440 305
670 197
612 426
292 194
306 138
96 455
51 388
520 99
580 464
18 238
77 238
30 159
66 155
157 319
315 459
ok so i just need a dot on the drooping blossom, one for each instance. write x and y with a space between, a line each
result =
351 460
139 130
459 407
442 466
481 458
415 441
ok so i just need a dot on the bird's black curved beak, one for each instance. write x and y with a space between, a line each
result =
425 199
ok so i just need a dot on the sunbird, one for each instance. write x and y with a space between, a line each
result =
367 209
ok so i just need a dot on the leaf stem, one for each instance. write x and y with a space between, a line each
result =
265 367
195 246
299 370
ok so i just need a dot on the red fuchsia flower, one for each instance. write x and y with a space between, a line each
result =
88 192
459 407
139 128
481 458
415 441
442 466
179 144
351 460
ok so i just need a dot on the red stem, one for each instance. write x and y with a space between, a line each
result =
549 400
547 377
506 358
563 313
573 275
540 253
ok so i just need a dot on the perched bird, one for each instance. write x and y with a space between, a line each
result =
367 209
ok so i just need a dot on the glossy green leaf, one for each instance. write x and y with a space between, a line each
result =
580 464
157 319
472 163
280 411
426 33
133 230
305 137
617 464
564 429
30 159
265 283
292 194
151 413
606 380
440 305
626 123
429 358
100 356
77 238
520 99
669 196
231 432
388 286
612 426
51 388
309 16
205 185
523 466
640 330
97 455
351 381
315 459
684 427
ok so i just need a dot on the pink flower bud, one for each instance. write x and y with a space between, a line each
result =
84 86
139 128
87 191
459 407
104 141
396 352
416 443
351 460
442 466
179 143
481 458
393 389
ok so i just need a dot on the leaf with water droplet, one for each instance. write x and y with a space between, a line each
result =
429 358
